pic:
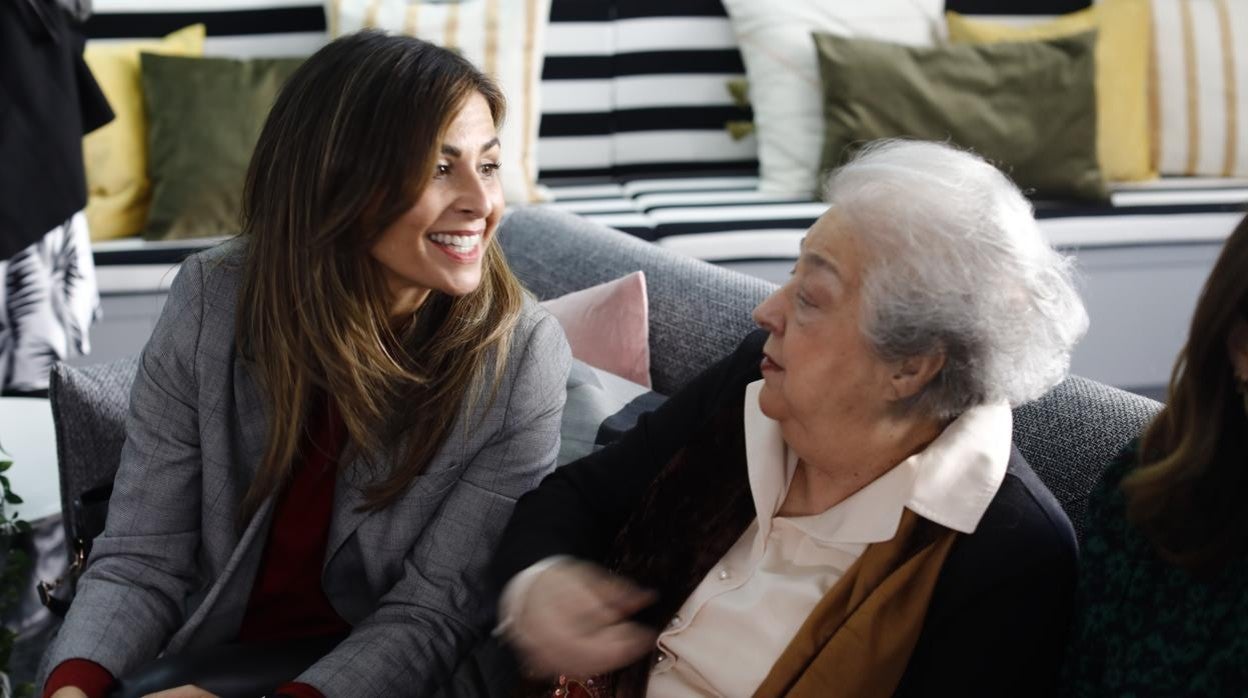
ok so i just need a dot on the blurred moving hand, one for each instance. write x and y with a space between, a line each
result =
572 618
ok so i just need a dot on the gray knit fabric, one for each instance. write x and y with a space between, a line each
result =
1071 434
89 406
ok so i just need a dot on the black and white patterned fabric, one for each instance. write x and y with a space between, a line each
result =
634 103
724 218
627 87
48 300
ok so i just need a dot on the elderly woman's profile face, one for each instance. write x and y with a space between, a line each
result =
822 381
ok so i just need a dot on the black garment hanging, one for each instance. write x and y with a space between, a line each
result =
48 101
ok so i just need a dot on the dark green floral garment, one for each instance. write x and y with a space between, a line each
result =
1144 627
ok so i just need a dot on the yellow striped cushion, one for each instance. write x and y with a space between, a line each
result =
1200 58
504 38
1124 146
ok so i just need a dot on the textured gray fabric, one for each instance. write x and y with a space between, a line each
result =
1071 434
89 411
698 312
172 572
593 396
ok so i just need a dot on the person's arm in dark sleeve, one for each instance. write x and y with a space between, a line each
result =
1006 634
578 510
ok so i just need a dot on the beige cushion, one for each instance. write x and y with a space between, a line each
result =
504 39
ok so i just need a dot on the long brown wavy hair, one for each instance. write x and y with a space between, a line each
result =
348 147
1187 496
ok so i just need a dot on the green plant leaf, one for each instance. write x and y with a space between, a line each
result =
5 463
5 482
23 526
12 498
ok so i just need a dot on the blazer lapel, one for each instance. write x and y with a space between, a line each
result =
348 500
251 418
352 479
217 618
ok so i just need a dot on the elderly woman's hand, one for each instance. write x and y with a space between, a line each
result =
572 619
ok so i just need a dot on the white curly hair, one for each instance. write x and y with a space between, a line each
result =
958 265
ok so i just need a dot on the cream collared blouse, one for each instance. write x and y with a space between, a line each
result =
730 631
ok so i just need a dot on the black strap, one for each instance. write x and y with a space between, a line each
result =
87 518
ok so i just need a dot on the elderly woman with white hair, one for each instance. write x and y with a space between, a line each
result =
835 509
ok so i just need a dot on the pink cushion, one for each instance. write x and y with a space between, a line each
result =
608 326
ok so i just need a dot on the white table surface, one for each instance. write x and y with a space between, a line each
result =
28 437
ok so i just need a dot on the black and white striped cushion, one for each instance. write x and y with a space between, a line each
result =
724 219
240 28
634 102
628 88
641 91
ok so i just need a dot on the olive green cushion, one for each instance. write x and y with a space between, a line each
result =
1028 107
204 116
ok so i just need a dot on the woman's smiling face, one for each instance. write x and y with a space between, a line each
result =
440 242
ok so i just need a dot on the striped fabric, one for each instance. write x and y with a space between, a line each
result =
504 39
236 28
726 220
1200 56
628 87
641 88
633 105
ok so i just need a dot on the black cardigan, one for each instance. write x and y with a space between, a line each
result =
1000 611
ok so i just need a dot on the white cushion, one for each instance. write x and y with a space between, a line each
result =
785 89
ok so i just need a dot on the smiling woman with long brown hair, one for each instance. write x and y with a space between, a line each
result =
336 412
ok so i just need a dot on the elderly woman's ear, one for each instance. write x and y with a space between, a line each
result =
911 375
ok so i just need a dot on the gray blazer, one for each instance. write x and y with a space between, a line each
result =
171 572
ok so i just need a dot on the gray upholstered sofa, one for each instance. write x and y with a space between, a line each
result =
698 313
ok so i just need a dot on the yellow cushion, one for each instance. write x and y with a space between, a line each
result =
1124 146
116 155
